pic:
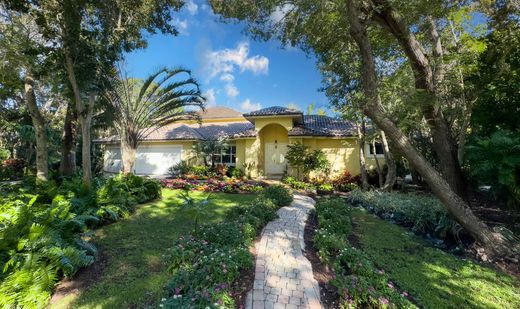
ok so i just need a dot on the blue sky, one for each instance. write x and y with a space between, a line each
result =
233 69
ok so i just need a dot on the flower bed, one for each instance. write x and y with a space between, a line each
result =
230 185
360 284
206 262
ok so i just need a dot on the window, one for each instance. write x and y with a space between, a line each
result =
226 156
379 149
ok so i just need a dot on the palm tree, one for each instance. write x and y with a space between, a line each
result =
141 107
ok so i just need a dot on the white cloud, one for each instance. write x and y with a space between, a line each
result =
192 7
181 25
231 90
248 106
211 99
227 78
226 60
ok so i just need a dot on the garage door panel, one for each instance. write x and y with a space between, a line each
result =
156 160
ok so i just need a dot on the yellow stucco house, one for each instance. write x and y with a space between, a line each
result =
258 141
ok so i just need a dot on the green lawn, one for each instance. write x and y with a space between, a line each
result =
436 279
135 273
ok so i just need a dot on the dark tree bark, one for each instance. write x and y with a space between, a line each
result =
68 152
378 166
391 175
362 164
42 168
455 205
444 144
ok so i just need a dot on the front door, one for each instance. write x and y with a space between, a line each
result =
275 162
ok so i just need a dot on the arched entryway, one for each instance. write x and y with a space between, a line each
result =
274 141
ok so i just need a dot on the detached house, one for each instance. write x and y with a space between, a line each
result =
258 141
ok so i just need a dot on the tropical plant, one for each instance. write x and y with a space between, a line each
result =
193 207
295 156
142 107
206 149
495 161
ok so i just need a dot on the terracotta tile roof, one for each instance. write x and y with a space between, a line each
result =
273 110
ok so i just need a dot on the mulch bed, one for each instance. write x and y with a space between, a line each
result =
328 293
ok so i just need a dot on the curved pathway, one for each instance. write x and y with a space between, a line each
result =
283 276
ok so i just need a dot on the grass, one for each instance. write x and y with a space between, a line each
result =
135 274
436 279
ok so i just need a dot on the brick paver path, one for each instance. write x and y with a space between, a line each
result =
283 276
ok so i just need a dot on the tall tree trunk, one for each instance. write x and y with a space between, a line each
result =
391 174
455 205
42 167
128 155
444 144
362 163
378 166
84 116
68 153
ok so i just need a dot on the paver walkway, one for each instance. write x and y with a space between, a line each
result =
283 276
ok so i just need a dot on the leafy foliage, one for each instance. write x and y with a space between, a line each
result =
305 160
422 214
279 194
42 229
207 261
495 161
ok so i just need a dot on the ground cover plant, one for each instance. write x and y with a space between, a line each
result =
135 250
42 229
360 283
421 213
435 278
207 261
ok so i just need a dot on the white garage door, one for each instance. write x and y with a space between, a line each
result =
156 159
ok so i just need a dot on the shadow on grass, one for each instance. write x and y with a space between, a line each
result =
134 248
436 279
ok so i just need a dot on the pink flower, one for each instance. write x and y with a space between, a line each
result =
383 300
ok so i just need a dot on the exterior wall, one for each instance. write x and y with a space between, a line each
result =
341 153
286 122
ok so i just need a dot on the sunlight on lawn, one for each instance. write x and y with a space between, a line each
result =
436 279
136 273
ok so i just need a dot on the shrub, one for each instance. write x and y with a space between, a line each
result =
421 213
180 169
205 263
199 170
346 182
298 185
235 172
11 169
279 194
325 188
